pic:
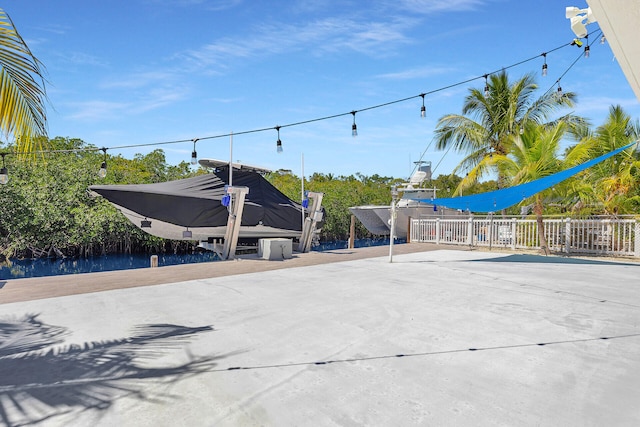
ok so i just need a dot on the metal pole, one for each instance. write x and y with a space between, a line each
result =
302 186
230 207
231 159
394 196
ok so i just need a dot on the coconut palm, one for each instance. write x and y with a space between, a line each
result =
22 92
489 121
534 154
616 180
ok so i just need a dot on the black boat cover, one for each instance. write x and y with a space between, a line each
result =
197 201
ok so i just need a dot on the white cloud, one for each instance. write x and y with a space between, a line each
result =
600 104
158 98
416 73
97 110
432 6
211 5
54 28
139 80
321 36
80 58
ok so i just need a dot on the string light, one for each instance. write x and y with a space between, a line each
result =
278 142
559 92
486 86
4 174
423 109
586 47
544 65
194 154
603 39
354 127
103 168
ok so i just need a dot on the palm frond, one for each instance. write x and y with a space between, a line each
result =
22 88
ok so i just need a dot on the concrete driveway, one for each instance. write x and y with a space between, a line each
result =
435 338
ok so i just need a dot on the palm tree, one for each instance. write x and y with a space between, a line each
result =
22 92
615 181
535 154
489 121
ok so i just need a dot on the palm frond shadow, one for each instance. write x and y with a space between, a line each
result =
42 377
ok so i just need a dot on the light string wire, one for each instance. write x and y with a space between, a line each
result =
556 83
329 117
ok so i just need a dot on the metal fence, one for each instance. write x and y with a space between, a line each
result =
588 236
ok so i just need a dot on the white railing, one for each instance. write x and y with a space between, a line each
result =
590 236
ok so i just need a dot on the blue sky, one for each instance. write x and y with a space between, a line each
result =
150 71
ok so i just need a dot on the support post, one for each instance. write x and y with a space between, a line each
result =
394 197
352 232
636 249
234 221
490 231
567 235
309 227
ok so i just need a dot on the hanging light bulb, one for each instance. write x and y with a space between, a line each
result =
4 174
423 109
586 51
559 90
486 86
354 127
187 234
194 154
544 66
278 142
603 39
103 168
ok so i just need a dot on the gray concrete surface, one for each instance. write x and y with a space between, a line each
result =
436 338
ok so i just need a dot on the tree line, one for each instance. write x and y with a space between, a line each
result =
47 210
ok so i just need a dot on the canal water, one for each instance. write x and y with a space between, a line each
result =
17 269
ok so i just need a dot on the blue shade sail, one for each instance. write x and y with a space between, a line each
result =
493 201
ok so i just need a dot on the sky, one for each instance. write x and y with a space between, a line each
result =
145 72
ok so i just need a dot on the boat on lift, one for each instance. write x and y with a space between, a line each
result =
377 218
194 208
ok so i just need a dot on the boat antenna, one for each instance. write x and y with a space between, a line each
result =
231 159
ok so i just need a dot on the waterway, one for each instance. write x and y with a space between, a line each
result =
24 268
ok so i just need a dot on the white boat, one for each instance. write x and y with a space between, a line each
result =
377 218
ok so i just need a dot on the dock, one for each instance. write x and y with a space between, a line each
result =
441 336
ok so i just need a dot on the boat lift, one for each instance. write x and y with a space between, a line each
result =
314 216
236 196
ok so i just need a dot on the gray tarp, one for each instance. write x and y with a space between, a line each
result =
196 202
